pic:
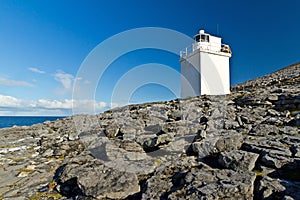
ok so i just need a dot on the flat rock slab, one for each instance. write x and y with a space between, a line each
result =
85 175
200 182
238 160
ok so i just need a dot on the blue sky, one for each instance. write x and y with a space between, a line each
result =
44 43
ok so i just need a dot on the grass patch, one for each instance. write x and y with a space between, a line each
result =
286 145
257 172
17 159
4 169
7 147
26 170
31 148
38 196
56 158
157 162
239 95
61 157
294 112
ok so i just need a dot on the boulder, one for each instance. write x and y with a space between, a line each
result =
214 143
238 160
202 182
87 176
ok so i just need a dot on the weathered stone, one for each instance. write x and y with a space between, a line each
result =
229 124
48 153
289 130
73 136
88 137
153 129
273 113
264 145
269 188
112 130
238 160
174 150
92 178
229 142
216 144
295 121
273 98
274 161
127 156
199 183
264 130
239 120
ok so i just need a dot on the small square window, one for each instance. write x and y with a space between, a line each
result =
204 38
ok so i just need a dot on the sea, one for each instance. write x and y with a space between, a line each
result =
10 121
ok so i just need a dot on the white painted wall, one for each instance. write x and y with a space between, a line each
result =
190 80
206 72
215 75
215 43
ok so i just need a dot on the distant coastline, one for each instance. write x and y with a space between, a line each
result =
10 121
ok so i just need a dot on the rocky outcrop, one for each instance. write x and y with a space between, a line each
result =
240 146
85 175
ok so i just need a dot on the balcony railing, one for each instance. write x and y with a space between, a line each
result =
212 47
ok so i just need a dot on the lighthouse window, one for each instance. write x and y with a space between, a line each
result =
197 38
204 38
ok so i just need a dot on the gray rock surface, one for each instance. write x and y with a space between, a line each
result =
94 179
238 160
240 146
183 180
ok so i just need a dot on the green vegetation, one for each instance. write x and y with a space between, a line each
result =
52 185
7 147
157 162
2 167
26 170
239 95
54 196
17 159
294 112
257 172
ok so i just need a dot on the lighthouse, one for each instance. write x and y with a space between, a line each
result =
205 67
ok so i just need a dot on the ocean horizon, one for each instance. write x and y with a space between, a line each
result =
10 121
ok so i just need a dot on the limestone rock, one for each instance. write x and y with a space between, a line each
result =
90 177
197 148
201 182
269 188
238 160
217 143
265 130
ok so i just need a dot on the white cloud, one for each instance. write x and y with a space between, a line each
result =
54 104
10 102
65 79
88 106
36 70
12 106
9 82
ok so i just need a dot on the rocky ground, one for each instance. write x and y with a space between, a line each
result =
245 145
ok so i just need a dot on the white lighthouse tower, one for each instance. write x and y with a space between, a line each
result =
205 67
